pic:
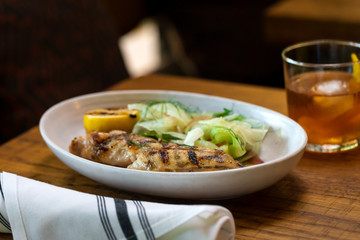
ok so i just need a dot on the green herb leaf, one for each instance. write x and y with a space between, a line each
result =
224 113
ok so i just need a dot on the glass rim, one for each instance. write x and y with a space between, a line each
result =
317 42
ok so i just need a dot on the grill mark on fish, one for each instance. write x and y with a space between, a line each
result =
216 157
219 159
145 141
103 148
100 143
164 155
152 153
192 157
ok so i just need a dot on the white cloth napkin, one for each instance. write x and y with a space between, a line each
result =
34 210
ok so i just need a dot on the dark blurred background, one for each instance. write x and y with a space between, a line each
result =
53 50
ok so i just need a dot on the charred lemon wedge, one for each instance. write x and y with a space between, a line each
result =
105 120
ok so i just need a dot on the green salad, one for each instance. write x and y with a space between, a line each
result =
171 121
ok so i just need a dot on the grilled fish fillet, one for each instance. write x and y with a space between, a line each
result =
122 149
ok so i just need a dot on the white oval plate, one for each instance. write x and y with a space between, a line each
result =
281 150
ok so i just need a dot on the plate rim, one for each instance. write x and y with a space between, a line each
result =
139 91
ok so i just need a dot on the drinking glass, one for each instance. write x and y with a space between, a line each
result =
322 80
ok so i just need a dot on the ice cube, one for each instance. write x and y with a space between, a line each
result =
332 87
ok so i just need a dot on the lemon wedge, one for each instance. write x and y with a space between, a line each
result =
105 120
356 67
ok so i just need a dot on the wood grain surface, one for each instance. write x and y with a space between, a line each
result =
289 21
319 199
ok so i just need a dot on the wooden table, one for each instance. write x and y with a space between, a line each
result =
319 199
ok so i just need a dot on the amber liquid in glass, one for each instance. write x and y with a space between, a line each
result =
327 105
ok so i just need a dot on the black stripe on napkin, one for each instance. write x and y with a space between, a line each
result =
3 220
2 193
144 220
105 218
124 219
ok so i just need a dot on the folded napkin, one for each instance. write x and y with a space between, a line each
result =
34 210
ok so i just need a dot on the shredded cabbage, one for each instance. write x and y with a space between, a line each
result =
193 135
169 121
160 117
